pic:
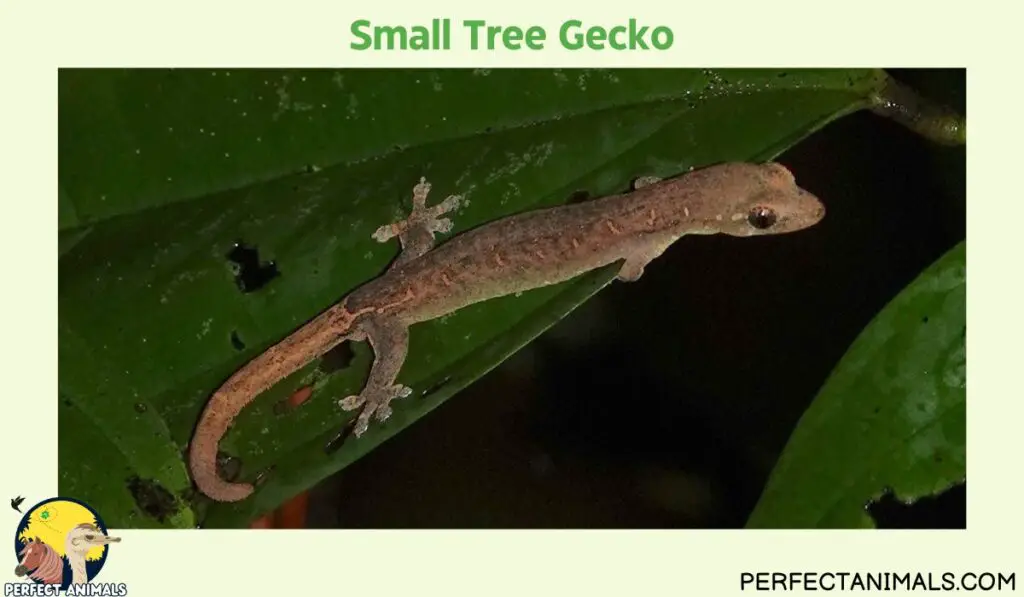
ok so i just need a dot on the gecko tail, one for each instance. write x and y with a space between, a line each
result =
284 358
203 462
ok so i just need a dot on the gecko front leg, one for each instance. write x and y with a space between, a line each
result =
389 340
637 260
416 232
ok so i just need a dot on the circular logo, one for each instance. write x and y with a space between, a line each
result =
59 541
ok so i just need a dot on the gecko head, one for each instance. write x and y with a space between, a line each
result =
772 204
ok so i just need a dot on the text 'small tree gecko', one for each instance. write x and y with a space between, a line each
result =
514 254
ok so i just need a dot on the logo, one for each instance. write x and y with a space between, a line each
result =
61 545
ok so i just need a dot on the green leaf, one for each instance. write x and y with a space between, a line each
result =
163 171
891 417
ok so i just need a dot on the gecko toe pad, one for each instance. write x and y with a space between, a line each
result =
429 218
351 402
441 225
362 424
376 406
450 203
386 232
382 412
643 181
420 191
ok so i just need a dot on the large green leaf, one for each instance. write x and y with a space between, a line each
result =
162 171
890 418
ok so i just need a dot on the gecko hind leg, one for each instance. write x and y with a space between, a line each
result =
416 232
390 343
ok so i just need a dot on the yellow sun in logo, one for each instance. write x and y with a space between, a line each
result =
51 522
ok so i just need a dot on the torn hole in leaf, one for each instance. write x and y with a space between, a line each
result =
435 387
250 273
579 196
228 467
236 341
262 477
337 358
944 510
336 442
152 498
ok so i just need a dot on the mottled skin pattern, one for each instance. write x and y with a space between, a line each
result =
511 255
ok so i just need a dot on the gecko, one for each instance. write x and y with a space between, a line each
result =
510 255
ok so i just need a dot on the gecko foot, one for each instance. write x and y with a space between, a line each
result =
633 267
631 271
374 404
422 219
644 181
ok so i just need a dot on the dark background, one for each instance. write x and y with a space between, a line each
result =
665 402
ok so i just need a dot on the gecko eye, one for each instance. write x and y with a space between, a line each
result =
762 217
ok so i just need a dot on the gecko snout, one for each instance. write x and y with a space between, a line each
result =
819 213
816 211
806 211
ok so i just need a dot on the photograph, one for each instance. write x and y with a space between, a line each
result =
506 298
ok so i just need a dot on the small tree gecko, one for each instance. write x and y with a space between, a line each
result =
510 255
